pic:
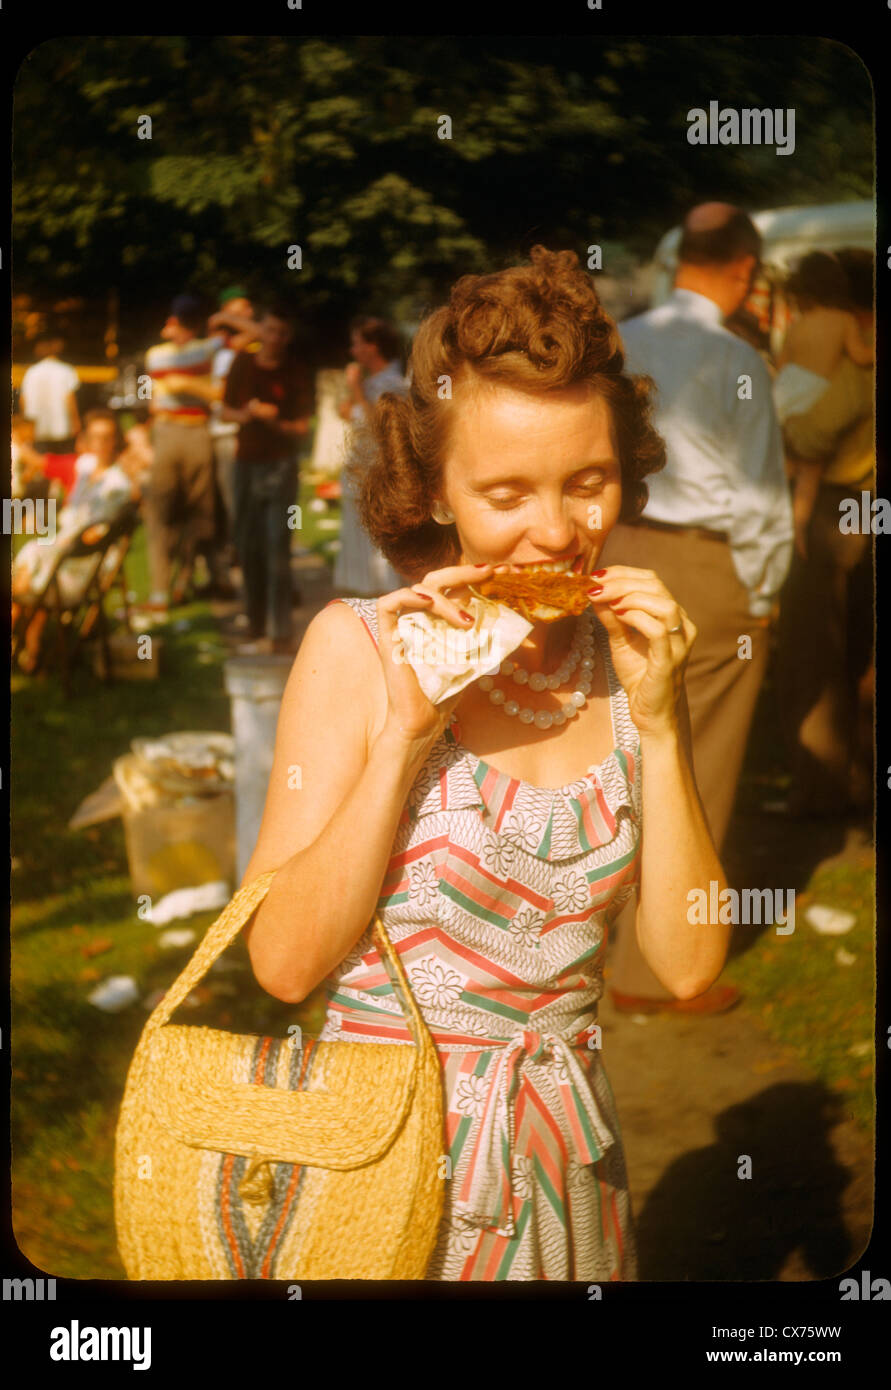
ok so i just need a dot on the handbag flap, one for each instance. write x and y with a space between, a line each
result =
357 1097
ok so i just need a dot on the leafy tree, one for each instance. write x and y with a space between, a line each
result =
258 144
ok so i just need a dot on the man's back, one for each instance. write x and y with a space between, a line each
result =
718 430
45 390
714 408
194 359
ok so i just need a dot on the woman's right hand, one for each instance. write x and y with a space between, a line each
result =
410 715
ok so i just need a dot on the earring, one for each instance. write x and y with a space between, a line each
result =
442 515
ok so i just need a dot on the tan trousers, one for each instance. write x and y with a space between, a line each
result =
722 688
178 507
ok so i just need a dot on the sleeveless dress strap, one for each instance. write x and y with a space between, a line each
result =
366 609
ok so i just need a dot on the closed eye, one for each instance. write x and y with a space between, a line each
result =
505 503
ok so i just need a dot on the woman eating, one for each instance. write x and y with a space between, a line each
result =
500 831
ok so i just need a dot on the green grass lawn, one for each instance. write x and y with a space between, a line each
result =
812 999
806 997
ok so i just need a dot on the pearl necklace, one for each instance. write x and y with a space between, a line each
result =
581 653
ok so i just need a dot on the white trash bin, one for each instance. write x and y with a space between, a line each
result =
255 685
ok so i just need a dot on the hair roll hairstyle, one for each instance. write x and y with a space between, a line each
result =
538 327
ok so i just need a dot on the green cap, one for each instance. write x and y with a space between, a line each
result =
233 292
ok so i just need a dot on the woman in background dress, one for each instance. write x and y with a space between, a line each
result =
360 567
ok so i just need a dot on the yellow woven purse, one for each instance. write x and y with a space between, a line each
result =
247 1157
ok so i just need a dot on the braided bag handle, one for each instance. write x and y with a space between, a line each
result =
222 932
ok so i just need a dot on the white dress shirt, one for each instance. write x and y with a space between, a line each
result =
724 455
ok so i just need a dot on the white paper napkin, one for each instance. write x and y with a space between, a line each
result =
445 659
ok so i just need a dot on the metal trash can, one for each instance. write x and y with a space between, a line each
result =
255 685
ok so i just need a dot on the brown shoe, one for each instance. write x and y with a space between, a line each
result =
716 1000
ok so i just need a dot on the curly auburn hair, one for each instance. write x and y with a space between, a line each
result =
537 327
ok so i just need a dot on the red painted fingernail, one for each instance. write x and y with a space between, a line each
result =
598 574
619 610
484 566
420 593
597 589
466 616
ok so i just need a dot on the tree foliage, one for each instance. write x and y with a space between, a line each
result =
331 143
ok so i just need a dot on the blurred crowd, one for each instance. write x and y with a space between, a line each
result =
213 468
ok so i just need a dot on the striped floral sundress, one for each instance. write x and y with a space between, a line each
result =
498 896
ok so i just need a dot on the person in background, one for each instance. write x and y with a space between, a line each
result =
717 528
823 333
179 501
360 568
46 476
224 433
64 471
27 479
826 662
101 491
137 457
48 396
267 394
746 326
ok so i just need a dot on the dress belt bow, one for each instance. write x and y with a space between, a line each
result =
486 1194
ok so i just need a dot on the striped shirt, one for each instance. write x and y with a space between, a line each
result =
195 359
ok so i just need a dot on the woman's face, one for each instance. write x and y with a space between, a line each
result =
100 439
533 479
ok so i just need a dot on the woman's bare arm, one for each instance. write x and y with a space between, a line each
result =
332 808
677 855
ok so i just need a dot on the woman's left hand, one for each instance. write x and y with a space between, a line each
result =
648 658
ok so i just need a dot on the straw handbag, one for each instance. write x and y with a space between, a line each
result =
246 1157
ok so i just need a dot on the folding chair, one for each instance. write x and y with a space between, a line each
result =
75 622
